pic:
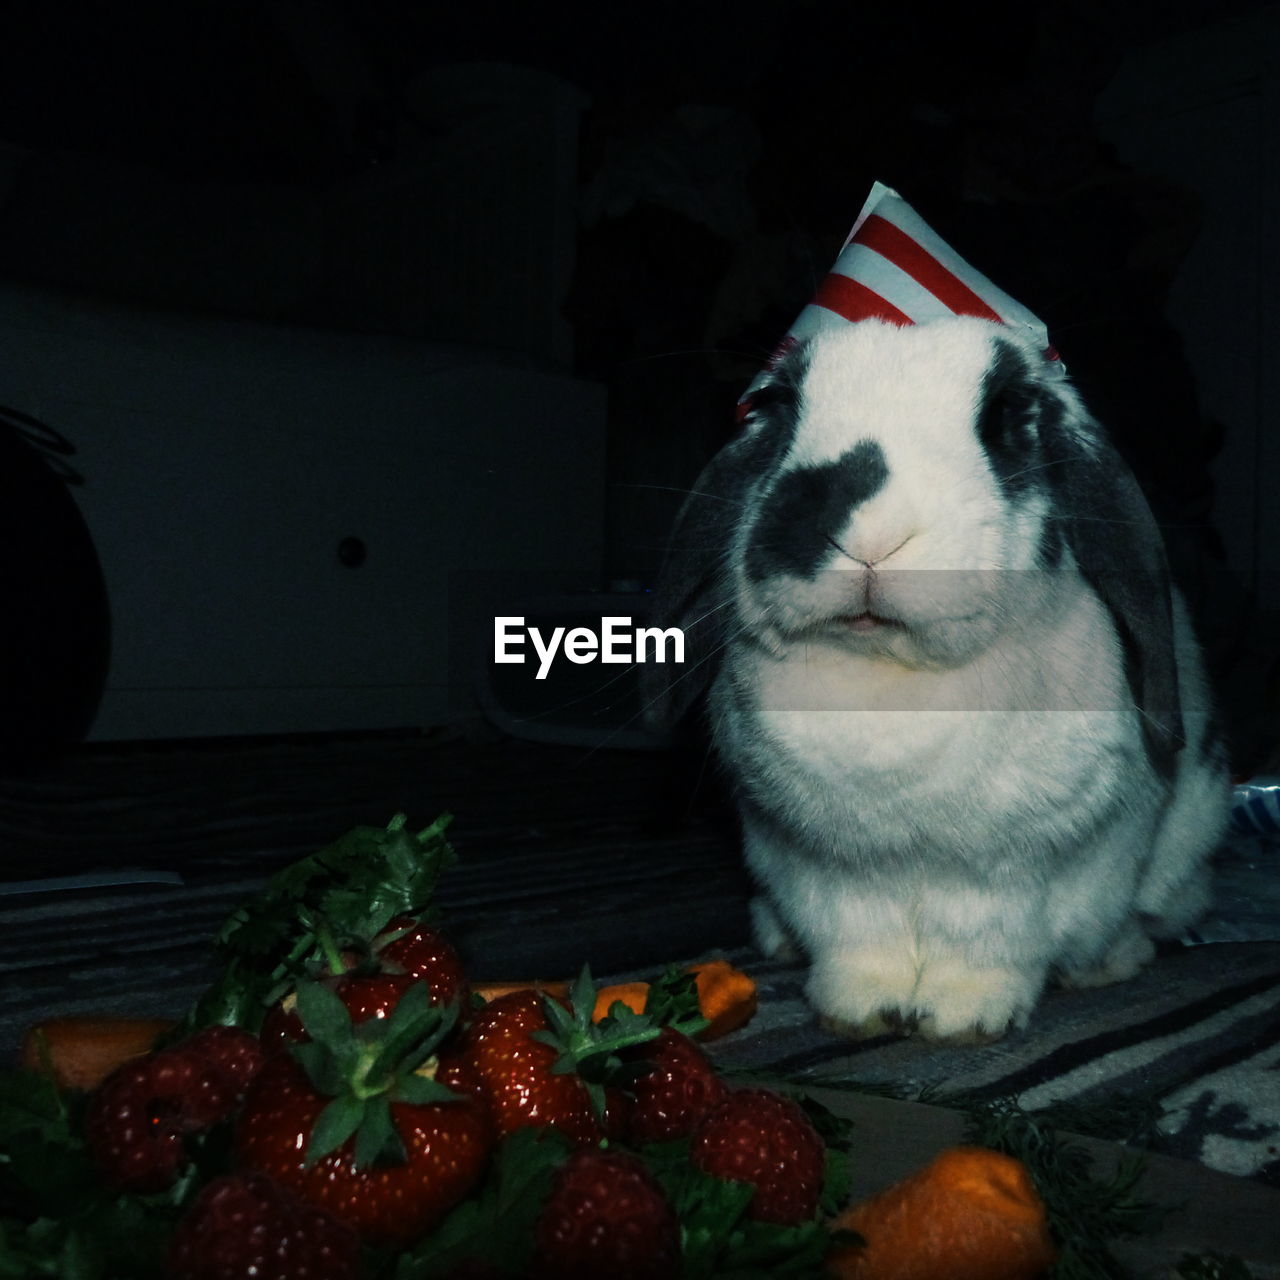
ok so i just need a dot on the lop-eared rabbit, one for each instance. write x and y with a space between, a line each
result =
946 671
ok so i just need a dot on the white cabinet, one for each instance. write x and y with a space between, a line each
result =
227 462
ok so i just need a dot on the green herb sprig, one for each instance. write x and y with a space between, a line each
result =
337 899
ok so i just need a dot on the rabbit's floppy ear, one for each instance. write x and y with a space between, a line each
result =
1103 518
694 590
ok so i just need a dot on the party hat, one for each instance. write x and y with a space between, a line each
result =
895 267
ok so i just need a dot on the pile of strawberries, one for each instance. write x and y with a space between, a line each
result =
384 1121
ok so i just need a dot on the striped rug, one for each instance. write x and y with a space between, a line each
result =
1199 1031
119 865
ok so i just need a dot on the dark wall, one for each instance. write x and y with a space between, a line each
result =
722 154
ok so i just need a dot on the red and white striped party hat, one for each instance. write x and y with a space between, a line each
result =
895 267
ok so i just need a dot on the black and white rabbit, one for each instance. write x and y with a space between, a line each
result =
959 699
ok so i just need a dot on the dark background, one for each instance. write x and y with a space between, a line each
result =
723 152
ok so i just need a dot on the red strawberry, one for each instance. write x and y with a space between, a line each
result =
505 1044
407 945
237 1053
445 1147
138 1116
365 996
606 1215
394 1139
244 1226
760 1137
675 1092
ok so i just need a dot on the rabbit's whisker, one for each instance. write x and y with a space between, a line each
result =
671 488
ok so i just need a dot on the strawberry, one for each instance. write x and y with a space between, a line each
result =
606 1215
365 1120
138 1117
237 1053
542 1064
244 1226
516 1072
678 1087
757 1136
407 952
409 946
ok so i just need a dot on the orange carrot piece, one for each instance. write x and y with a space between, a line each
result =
970 1214
81 1052
727 997
632 994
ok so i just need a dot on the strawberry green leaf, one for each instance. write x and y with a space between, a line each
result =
596 1099
720 1240
420 1091
43 1163
398 874
97 1236
672 1001
338 897
834 1130
377 1139
410 1036
582 996
333 1126
711 1212
622 1026
39 1177
323 1015
560 1021
588 1048
31 1102
329 1072
493 1228
837 1182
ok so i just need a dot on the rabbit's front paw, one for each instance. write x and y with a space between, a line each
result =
960 1004
862 994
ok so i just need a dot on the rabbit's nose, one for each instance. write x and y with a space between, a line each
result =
873 550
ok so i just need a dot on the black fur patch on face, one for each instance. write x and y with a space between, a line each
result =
808 507
1009 407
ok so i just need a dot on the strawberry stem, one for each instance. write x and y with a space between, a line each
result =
329 947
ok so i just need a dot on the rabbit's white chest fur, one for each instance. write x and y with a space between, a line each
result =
872 752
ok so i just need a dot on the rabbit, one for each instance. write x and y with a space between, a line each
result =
957 697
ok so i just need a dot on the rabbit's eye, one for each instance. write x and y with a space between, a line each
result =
780 396
1008 422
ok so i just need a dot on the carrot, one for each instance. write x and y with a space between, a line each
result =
81 1052
632 994
970 1214
726 996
